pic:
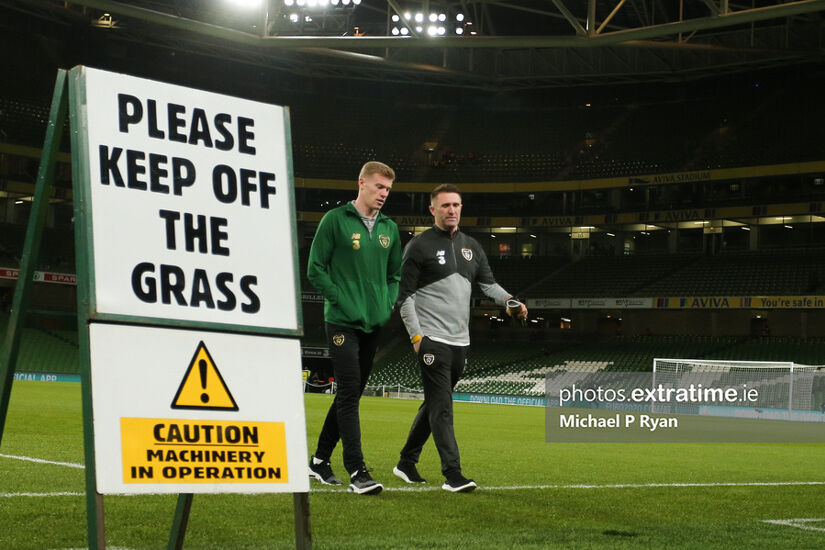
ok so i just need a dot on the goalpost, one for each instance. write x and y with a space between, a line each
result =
780 384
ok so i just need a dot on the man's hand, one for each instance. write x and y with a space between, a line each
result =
518 311
416 347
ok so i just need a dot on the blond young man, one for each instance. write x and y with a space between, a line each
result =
355 262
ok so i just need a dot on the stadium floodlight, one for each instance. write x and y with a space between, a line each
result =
395 18
419 29
293 17
335 2
395 31
301 3
289 3
407 15
419 17
459 17
356 2
433 17
405 31
345 2
431 30
442 17
441 31
459 30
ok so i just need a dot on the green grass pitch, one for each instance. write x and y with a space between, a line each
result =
532 495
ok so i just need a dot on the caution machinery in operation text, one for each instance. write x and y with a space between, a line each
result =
228 418
198 451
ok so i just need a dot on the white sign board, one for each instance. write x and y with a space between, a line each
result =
191 202
181 411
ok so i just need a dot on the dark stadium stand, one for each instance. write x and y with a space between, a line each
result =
746 273
614 139
608 276
557 142
754 273
49 351
519 369
805 352
518 274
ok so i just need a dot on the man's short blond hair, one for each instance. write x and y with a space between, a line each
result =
375 167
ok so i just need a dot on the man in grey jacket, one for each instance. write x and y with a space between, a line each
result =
437 274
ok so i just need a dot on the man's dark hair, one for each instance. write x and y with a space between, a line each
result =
444 188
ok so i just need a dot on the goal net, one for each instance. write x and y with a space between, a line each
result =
772 385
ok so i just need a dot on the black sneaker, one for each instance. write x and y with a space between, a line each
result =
408 473
459 484
361 483
323 472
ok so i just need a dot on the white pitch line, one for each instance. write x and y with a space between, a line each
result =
420 489
57 494
606 486
42 461
537 487
798 523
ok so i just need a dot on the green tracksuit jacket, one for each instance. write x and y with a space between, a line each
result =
357 273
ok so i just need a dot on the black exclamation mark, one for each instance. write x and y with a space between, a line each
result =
202 367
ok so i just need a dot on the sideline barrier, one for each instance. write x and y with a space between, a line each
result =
499 399
46 377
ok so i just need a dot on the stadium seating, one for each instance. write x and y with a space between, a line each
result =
608 276
793 272
520 369
565 142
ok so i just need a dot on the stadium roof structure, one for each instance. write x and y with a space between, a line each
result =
511 45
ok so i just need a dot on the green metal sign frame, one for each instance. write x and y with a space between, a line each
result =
31 246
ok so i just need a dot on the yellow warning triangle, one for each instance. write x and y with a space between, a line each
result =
202 386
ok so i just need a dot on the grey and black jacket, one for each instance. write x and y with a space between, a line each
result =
437 274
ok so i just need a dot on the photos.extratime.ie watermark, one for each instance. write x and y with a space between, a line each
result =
607 406
694 393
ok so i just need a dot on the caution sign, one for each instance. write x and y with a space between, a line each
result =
202 451
203 386
190 411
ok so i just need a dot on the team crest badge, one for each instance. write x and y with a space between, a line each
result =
338 339
429 359
356 245
467 253
384 240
